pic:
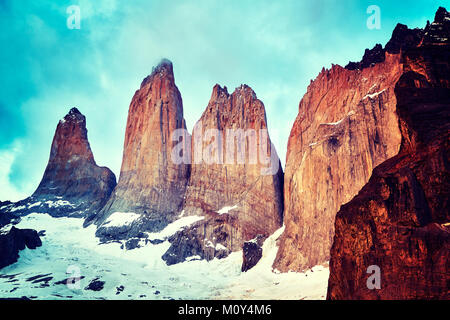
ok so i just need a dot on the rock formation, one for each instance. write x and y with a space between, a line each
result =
7 217
151 186
346 126
251 253
400 220
236 179
72 185
15 240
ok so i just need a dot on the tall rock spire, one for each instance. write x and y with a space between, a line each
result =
73 184
151 184
236 179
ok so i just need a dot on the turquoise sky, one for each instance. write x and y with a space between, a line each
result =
276 47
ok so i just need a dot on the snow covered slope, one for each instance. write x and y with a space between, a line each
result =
69 251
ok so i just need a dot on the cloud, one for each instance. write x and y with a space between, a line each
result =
8 191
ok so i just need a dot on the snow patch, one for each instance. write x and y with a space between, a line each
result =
254 240
335 123
220 246
118 219
174 227
197 257
36 204
6 228
58 203
373 95
226 209
18 208
209 243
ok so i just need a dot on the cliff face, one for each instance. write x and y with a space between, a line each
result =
236 179
400 221
151 185
346 126
73 184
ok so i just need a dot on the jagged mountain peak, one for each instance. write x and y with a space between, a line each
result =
441 15
71 139
73 111
219 91
438 31
73 115
164 66
244 89
164 69
403 38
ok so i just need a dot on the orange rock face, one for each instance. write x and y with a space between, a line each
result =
150 183
72 185
400 221
238 189
71 171
346 126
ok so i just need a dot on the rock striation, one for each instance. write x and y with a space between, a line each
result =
236 179
400 220
72 185
151 186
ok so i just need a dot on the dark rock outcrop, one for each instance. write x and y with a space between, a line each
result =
402 39
370 58
72 185
151 186
400 220
15 240
7 217
251 253
95 285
